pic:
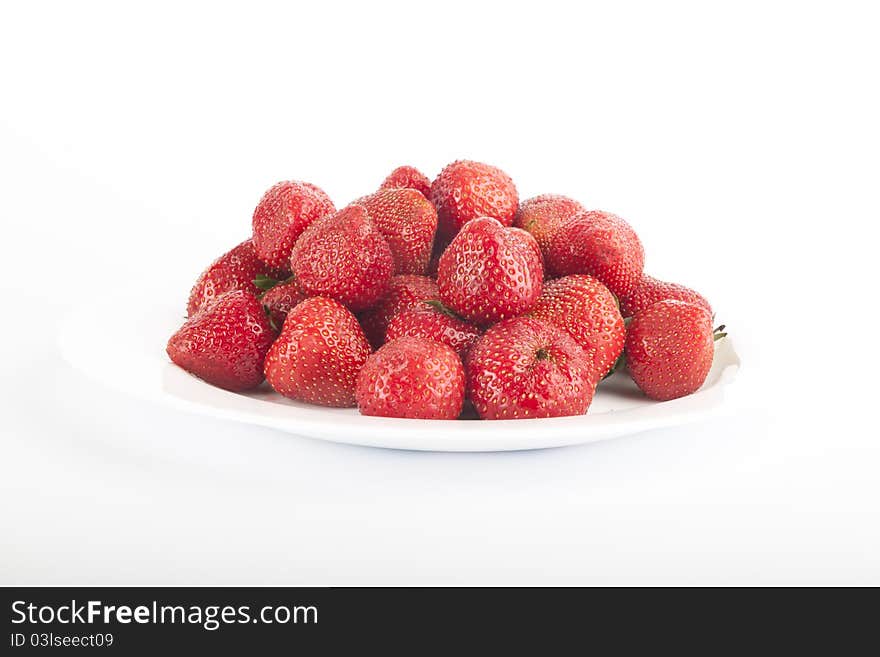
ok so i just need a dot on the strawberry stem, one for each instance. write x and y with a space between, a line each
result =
719 333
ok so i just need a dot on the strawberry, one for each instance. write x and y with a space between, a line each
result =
588 311
318 355
234 270
650 290
344 257
225 343
526 368
404 291
543 215
408 222
279 298
600 244
465 190
414 378
490 272
281 216
408 178
433 320
669 349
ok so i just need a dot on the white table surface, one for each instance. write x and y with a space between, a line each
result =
756 191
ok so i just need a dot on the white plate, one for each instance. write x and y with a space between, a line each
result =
618 408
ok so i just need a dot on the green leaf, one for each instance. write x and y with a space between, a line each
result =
265 282
437 305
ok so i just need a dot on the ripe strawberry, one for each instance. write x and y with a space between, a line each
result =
434 321
465 190
279 298
543 215
281 216
525 368
225 343
318 355
344 257
489 272
408 178
650 290
404 291
588 311
234 270
414 378
408 222
669 349
602 245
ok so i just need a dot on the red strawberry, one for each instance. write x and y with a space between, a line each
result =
525 368
225 343
466 190
489 272
412 377
650 290
543 215
408 221
344 257
408 178
588 311
279 299
434 321
281 216
602 245
318 355
234 270
669 349
404 291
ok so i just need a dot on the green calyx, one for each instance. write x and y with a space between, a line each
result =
437 305
266 283
271 319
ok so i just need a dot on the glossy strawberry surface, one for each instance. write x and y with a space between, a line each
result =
284 212
490 272
426 320
225 343
525 368
404 291
408 177
234 270
318 355
412 378
280 299
669 349
600 244
466 190
543 215
587 310
344 257
651 290
408 222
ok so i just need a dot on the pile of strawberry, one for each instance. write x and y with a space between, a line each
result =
441 300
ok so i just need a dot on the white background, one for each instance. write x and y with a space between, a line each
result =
740 140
